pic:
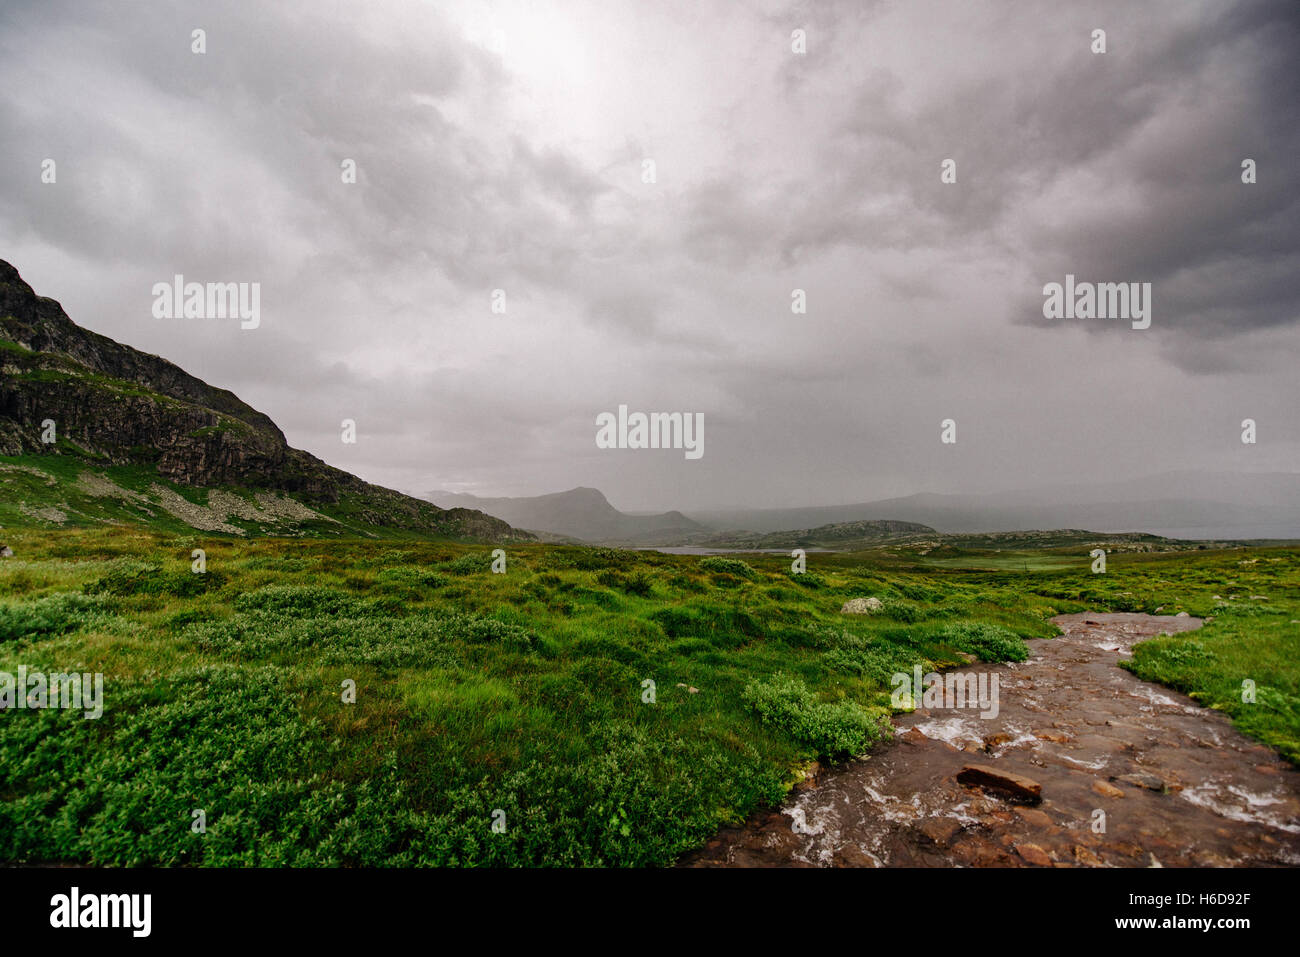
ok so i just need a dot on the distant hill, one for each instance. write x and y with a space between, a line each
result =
580 513
838 535
1191 505
141 441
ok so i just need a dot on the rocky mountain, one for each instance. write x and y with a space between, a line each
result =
137 437
580 513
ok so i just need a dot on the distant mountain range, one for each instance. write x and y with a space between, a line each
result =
1181 505
1198 505
582 514
137 440
93 432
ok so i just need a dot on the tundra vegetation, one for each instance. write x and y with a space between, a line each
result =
520 699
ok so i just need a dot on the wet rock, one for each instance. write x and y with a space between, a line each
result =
1034 817
1143 780
862 606
1014 786
913 736
851 856
997 740
1054 736
1086 857
938 831
980 853
809 778
1107 790
1033 854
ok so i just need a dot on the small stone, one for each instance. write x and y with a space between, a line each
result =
979 853
1034 817
1033 854
996 740
1143 780
6 551
1054 736
938 830
1182 614
1086 857
809 778
850 856
1107 790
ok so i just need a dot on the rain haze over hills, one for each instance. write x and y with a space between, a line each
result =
504 148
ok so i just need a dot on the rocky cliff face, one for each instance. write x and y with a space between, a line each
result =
114 405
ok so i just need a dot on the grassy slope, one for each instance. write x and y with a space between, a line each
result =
30 484
519 692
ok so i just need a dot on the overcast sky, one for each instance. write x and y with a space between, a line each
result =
502 145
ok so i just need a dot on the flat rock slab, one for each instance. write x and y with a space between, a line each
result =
1017 787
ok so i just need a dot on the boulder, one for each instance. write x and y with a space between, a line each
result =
862 606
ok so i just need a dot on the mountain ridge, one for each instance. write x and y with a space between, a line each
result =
582 513
116 407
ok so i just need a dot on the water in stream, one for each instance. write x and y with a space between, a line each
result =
1175 783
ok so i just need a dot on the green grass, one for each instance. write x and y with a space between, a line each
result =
519 697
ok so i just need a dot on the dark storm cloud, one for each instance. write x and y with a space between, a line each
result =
502 147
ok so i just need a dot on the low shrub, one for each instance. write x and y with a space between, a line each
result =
831 730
